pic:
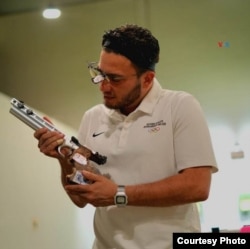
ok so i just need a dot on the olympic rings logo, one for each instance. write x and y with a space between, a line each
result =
154 129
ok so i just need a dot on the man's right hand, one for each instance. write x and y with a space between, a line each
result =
48 141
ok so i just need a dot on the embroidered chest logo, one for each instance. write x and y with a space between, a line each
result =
97 134
154 127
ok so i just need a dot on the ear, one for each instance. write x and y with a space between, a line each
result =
148 79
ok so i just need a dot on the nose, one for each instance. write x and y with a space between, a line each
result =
105 85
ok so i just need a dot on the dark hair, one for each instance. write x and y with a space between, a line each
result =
134 42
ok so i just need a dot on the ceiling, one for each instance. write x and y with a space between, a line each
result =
8 7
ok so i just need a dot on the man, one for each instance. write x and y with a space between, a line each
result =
157 143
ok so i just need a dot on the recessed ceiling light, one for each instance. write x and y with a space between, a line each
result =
51 13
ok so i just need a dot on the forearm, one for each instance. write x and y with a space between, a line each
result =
190 186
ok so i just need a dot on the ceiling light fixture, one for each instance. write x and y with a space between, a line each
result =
51 13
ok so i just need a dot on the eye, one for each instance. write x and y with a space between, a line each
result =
115 78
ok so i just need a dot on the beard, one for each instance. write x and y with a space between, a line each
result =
127 101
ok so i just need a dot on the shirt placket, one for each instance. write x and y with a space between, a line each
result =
125 126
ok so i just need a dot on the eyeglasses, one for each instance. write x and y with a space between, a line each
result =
98 76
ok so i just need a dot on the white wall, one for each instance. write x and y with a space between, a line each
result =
222 208
35 212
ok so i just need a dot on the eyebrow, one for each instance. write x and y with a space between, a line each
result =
109 74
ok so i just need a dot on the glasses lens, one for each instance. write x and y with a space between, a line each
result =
98 78
96 75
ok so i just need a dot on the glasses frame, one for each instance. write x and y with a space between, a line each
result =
98 76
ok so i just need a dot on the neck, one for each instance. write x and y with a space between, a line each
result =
126 110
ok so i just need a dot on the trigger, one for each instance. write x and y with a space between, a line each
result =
64 150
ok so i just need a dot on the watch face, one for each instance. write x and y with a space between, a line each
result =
120 199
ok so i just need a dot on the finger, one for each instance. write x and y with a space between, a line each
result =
51 137
47 119
50 145
59 141
49 141
76 189
39 132
90 176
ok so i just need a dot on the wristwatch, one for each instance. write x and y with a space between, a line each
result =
121 198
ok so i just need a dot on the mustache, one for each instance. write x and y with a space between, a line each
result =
108 95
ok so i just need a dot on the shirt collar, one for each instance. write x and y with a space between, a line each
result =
148 103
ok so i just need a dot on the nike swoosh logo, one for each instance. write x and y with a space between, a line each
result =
97 134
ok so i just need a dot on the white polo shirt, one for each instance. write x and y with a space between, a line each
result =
165 134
